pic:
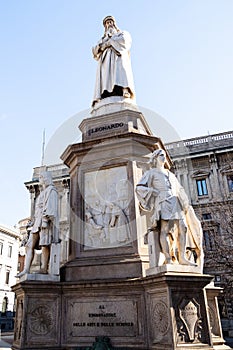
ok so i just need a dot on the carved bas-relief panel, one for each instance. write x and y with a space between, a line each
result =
42 321
190 328
160 320
107 197
192 320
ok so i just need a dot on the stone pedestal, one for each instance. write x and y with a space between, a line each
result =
106 229
167 311
107 289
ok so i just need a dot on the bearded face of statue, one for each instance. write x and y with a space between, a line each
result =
109 24
110 27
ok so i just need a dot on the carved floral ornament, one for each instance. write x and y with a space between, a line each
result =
41 320
160 317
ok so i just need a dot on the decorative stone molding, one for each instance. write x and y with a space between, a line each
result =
19 321
200 174
160 317
41 320
189 329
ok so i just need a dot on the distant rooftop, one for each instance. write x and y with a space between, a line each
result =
216 142
9 230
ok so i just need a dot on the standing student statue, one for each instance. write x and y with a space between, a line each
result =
44 231
171 215
114 74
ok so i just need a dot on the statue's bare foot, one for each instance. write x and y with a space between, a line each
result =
43 271
20 274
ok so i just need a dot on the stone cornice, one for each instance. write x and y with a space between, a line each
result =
84 147
9 231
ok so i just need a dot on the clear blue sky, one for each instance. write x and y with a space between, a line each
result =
182 58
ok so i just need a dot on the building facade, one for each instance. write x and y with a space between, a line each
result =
9 245
204 166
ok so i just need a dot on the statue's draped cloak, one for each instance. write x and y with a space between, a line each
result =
114 65
47 209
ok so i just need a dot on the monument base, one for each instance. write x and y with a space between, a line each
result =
113 104
39 277
165 311
173 268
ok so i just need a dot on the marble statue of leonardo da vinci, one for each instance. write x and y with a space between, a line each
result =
114 74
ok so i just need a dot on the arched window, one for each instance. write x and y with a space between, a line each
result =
4 305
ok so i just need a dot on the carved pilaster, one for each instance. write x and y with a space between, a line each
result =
212 293
19 321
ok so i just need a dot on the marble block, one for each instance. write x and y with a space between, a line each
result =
113 123
113 104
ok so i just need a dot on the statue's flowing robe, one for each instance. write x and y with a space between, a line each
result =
47 210
114 65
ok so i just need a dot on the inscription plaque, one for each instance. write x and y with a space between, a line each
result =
112 318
